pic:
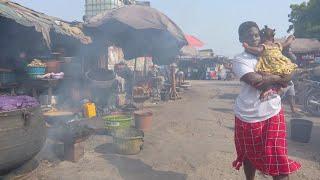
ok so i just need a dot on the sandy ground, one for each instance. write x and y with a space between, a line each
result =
190 139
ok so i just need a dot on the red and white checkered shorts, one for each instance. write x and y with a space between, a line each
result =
264 144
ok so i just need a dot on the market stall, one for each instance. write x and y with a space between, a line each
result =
33 76
307 51
126 27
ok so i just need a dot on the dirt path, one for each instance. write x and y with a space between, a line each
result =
190 139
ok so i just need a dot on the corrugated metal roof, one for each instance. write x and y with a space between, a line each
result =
41 22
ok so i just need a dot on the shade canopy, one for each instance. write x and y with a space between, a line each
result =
193 41
140 31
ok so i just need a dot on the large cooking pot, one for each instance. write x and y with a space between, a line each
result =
22 135
100 78
316 71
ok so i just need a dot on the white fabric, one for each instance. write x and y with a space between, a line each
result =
289 91
121 83
248 106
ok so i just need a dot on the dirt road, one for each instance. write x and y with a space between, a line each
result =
191 139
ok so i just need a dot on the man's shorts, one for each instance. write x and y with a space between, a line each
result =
289 91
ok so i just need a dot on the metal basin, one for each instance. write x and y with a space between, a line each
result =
22 135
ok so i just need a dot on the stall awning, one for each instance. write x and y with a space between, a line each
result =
193 41
41 22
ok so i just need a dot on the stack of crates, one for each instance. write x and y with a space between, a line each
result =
7 77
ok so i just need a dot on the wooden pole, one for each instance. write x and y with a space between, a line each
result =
145 68
173 92
134 78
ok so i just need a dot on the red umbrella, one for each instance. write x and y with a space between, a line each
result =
193 41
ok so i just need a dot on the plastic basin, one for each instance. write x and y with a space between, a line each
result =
301 130
114 122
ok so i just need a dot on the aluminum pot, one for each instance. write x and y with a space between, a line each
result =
22 136
316 71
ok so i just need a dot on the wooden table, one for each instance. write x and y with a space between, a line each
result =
35 84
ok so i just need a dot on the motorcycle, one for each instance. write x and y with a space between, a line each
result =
312 97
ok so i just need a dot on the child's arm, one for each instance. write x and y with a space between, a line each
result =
254 50
288 42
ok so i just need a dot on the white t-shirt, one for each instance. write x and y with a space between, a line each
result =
248 106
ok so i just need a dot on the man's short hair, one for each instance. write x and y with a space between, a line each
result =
244 27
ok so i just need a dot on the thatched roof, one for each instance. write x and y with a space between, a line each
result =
41 22
301 45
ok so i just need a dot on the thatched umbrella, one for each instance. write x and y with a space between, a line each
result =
140 31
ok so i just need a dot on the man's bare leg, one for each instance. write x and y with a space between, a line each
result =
281 177
249 170
291 103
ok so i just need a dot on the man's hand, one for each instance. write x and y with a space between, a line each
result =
284 81
291 38
288 41
245 45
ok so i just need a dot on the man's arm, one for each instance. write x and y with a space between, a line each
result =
288 42
262 82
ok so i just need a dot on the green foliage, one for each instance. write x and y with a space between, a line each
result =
305 19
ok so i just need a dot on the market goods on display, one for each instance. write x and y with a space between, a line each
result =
36 63
10 103
101 75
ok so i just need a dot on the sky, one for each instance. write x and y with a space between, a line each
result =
215 22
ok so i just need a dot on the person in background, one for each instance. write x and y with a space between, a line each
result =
260 126
221 72
180 77
126 73
289 54
289 93
154 71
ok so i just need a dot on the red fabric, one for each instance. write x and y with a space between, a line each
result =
264 145
213 74
193 41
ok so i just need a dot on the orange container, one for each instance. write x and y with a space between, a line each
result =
53 66
89 110
143 120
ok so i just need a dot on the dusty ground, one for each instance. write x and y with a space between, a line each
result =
190 139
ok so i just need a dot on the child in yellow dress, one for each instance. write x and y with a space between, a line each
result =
271 59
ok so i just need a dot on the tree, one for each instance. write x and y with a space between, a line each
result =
305 19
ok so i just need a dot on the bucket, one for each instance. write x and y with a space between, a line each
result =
7 77
143 120
128 141
301 130
114 122
34 72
